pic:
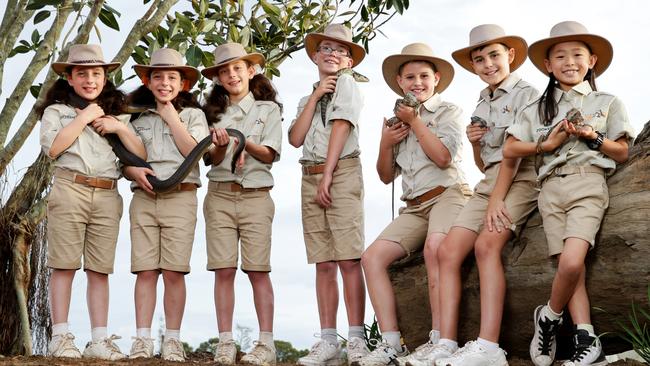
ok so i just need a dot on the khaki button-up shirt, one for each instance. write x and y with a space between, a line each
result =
261 122
603 111
90 154
162 153
498 109
346 104
419 173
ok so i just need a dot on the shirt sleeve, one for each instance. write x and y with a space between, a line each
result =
521 129
301 107
618 122
272 136
450 129
346 101
197 125
50 127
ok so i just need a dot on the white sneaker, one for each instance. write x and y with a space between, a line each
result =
420 351
472 354
104 349
225 353
542 347
63 346
323 353
384 354
142 347
261 355
588 351
356 350
172 350
428 358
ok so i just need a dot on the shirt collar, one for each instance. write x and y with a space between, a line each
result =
579 90
506 86
246 103
432 103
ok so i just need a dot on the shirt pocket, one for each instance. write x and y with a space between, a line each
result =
497 132
145 133
257 131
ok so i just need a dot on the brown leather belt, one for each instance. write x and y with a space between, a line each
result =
574 169
236 187
320 168
182 187
94 182
426 196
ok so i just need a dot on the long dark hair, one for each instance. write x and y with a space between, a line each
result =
547 107
217 102
110 99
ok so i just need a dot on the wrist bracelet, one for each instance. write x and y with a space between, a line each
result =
596 143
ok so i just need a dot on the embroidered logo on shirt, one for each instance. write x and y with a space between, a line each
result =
68 116
506 109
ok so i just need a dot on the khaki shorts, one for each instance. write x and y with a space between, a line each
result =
335 233
520 201
572 206
231 217
162 230
415 223
82 220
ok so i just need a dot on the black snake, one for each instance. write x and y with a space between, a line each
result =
161 186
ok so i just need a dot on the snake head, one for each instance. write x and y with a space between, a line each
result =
410 100
476 120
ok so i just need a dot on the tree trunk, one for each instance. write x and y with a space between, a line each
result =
618 270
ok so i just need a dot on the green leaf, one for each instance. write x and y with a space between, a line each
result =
245 36
19 49
270 8
35 37
364 13
108 19
37 4
398 6
194 55
208 25
207 59
41 16
34 90
184 22
203 7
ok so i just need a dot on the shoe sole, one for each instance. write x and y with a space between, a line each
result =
337 362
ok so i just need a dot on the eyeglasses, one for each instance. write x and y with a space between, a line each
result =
326 50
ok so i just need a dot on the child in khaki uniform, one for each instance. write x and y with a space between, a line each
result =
162 225
332 190
239 206
425 148
503 200
84 207
576 159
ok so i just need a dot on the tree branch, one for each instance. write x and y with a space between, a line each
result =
143 26
12 24
39 61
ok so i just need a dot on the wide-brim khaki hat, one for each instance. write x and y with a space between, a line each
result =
89 55
570 31
231 52
416 52
487 34
338 33
170 59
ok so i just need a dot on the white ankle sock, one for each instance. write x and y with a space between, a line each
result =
490 347
434 336
549 313
99 333
394 339
59 329
328 335
173 334
588 327
143 332
267 338
356 331
451 344
225 336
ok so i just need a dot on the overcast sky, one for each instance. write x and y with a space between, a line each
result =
445 26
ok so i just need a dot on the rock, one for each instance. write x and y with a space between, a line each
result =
618 270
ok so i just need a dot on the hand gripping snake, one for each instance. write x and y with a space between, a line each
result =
161 186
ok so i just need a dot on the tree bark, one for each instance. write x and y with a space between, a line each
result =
618 271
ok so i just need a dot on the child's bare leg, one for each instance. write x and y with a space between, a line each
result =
263 297
327 293
354 290
145 298
224 297
430 251
60 292
570 267
97 298
579 303
174 298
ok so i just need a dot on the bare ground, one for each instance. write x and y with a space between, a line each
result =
194 359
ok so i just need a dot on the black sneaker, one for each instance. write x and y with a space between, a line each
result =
542 347
588 350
